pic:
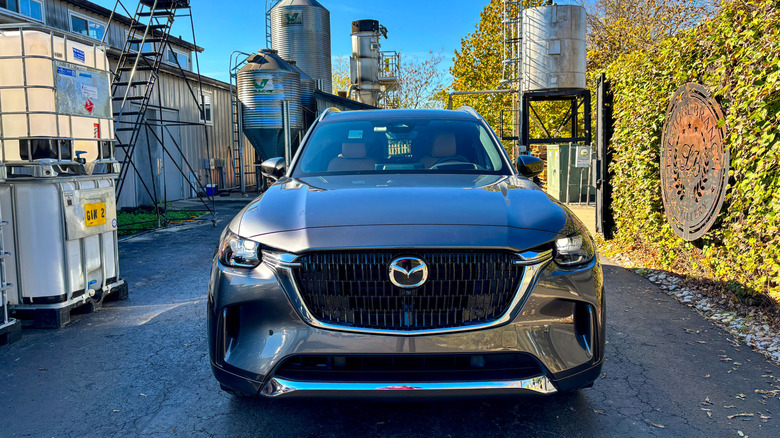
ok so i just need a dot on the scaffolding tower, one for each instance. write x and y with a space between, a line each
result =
135 80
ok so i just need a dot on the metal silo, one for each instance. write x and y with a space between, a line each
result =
308 86
264 83
300 30
554 47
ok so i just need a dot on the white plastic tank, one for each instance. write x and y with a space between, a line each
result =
62 236
68 94
300 30
554 50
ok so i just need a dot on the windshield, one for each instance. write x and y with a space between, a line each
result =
398 146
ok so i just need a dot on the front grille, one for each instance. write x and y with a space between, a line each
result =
409 367
352 288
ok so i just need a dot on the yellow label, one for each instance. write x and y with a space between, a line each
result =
95 214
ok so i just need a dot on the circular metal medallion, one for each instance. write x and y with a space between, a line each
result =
694 161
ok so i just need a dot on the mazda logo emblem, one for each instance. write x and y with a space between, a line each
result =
408 272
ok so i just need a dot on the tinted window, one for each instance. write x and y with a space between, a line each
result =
397 146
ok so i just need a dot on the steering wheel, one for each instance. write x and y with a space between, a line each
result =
453 159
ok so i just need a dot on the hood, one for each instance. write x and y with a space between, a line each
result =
401 200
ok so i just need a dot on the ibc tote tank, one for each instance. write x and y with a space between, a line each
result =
554 47
67 96
300 30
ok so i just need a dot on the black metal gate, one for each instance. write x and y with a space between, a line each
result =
605 221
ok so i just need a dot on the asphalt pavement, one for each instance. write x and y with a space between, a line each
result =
140 368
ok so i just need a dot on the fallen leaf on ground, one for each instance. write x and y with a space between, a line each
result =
744 414
740 396
660 426
598 411
707 376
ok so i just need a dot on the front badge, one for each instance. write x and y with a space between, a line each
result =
408 272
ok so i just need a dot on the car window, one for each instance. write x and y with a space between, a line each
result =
400 145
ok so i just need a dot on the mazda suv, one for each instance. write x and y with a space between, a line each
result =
401 253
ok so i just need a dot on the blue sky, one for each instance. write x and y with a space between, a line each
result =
416 27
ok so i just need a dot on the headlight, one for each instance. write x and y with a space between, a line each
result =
238 252
574 250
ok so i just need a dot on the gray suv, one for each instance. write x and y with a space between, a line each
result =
402 254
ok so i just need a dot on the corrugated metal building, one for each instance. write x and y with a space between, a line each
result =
172 98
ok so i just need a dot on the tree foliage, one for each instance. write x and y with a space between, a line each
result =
617 27
340 73
737 55
421 81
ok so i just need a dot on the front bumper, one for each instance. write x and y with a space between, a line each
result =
256 322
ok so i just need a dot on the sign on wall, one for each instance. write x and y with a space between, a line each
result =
694 161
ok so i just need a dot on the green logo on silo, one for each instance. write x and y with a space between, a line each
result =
263 86
293 19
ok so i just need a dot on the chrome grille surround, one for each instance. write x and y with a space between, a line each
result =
504 306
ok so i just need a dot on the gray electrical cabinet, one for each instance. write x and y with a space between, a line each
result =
568 167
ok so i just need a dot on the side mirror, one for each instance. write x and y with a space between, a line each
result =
529 166
273 168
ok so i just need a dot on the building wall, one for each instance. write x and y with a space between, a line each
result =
176 100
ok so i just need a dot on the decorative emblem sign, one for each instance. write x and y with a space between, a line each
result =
694 161
408 272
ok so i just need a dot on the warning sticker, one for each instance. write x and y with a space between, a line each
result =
357 133
89 91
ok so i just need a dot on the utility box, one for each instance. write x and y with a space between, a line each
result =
568 173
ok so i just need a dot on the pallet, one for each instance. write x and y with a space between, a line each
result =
11 333
47 318
119 293
44 318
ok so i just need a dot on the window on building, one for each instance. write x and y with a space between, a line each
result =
86 26
206 115
182 58
30 8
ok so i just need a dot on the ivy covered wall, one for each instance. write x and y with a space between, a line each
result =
736 55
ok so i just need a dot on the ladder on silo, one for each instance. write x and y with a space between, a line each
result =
269 4
237 60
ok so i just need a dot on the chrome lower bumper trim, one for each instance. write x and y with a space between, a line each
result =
278 387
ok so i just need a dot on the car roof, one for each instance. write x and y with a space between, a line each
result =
373 115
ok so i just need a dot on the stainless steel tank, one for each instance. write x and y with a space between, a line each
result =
554 47
263 84
364 62
300 30
308 86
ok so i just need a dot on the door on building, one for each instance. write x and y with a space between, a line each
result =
172 178
158 159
